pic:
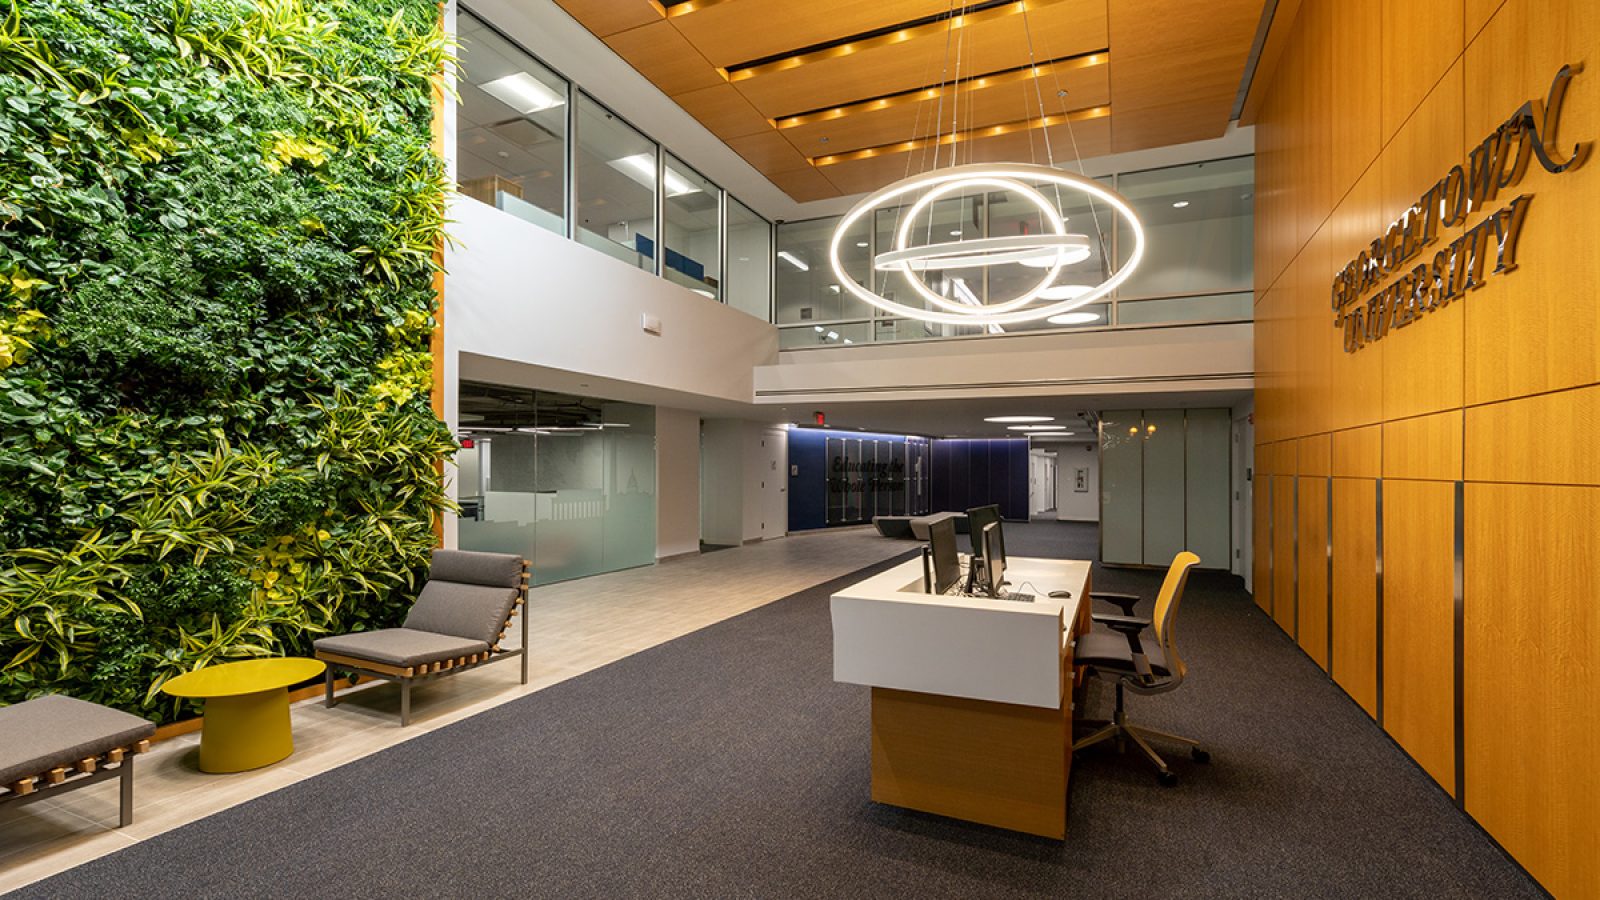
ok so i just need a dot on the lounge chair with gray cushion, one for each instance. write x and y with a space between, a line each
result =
53 744
457 623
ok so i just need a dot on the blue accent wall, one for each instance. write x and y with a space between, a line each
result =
980 471
808 478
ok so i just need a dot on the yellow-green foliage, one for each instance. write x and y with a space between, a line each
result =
217 229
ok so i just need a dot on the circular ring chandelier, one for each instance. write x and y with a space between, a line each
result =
1050 251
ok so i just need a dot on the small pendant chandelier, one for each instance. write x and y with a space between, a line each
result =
1050 250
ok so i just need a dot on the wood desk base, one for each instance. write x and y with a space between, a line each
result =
997 764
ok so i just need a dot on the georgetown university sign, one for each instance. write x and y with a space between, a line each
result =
1464 264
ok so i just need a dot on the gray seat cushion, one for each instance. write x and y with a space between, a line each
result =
53 730
470 567
468 611
1108 650
402 647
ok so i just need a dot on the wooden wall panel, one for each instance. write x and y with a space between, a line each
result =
1532 650
1548 439
1355 379
1538 329
1283 552
1419 622
1355 595
1261 544
1358 453
1419 40
1316 455
1427 447
1311 616
1356 128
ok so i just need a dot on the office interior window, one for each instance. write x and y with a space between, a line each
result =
749 277
1197 222
615 186
807 288
693 229
511 127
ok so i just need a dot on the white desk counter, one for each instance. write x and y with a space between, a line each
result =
888 633
971 715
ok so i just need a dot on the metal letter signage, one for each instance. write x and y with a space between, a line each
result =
1496 164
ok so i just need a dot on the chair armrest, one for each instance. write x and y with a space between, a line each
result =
1123 601
1123 624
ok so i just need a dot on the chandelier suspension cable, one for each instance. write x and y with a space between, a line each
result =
938 116
1055 79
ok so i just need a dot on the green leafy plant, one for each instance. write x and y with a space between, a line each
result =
218 224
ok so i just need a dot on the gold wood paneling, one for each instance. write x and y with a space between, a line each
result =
1283 555
661 54
1532 646
1427 447
724 110
769 152
1358 453
1419 40
804 184
1314 390
1356 379
1419 622
858 175
1272 53
1538 328
1059 28
1176 90
607 17
1260 536
1422 361
1547 439
1355 590
1477 13
1311 628
731 33
1010 98
1357 64
1316 455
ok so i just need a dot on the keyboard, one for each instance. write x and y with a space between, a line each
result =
1020 598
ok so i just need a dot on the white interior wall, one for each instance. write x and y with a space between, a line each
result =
723 450
677 482
1073 505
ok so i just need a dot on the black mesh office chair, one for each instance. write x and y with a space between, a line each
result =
1122 648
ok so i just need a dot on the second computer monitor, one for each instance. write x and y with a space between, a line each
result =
946 557
978 518
994 558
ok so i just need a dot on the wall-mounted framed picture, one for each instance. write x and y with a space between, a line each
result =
1080 479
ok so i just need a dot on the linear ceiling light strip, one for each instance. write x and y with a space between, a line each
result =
1077 115
975 14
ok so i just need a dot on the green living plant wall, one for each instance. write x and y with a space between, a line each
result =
218 221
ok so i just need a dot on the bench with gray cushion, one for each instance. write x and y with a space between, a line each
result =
919 525
52 744
893 526
457 623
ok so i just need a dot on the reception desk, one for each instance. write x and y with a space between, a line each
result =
971 697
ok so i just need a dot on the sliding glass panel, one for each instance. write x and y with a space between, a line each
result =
749 284
807 288
1207 469
1122 487
694 234
616 184
511 127
1164 521
1197 221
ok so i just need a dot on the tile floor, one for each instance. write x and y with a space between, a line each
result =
575 627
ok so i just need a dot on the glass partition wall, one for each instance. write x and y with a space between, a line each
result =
566 482
532 145
1197 219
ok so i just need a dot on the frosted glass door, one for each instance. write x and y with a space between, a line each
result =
1207 466
1163 486
1122 487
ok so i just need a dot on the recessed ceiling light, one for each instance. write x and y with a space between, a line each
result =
1032 427
1005 419
704 293
793 260
955 234
641 167
834 288
1180 204
1074 318
861 243
1065 291
523 93
833 335
818 328
1052 434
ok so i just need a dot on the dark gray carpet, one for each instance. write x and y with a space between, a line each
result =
728 764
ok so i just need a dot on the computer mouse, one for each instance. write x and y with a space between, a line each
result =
1061 595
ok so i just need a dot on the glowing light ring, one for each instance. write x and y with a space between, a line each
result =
1022 248
1009 171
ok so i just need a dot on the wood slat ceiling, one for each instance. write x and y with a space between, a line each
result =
836 97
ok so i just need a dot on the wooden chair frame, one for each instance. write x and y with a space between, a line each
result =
114 763
406 676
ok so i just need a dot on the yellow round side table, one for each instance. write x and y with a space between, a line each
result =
247 710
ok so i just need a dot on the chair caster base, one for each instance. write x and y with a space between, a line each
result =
1199 756
1167 779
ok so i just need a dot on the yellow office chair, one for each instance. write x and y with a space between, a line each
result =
1144 669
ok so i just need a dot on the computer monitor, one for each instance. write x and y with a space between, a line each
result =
978 518
994 558
946 558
